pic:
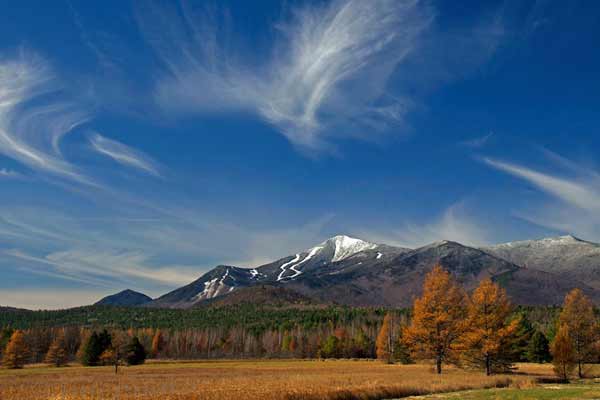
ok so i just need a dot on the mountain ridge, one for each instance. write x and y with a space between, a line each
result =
351 271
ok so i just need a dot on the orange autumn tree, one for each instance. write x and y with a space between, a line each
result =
437 319
578 315
486 340
157 343
563 354
385 340
57 353
17 352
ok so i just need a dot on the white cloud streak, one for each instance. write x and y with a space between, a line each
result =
573 205
329 67
454 224
30 127
124 154
578 194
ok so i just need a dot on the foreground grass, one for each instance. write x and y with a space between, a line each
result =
253 380
544 392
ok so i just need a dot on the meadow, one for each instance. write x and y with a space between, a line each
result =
254 380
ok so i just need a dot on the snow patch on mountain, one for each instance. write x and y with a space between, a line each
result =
310 255
215 287
285 265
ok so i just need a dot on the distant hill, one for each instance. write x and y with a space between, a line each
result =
12 309
127 297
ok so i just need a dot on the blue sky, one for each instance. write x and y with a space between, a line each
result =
143 143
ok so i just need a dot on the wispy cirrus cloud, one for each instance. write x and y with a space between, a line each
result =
328 67
37 111
101 267
576 192
455 224
9 174
124 154
155 253
573 203
32 122
478 142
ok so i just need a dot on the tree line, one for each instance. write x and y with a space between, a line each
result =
101 348
481 330
445 326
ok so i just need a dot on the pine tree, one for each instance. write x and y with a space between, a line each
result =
16 353
57 353
486 340
90 355
94 347
539 349
385 340
519 344
578 316
402 352
104 340
438 319
135 353
563 353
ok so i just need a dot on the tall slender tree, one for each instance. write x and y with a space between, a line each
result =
578 316
563 353
16 353
158 342
486 340
385 340
438 319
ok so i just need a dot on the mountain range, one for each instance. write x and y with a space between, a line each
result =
349 271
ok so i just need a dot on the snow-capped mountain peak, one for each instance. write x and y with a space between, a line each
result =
346 246
334 249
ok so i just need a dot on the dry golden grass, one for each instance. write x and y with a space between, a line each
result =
249 380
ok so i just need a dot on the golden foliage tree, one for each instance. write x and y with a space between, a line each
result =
16 353
385 340
57 353
486 340
563 353
437 320
157 343
578 315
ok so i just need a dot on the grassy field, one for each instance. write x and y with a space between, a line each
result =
543 392
250 380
